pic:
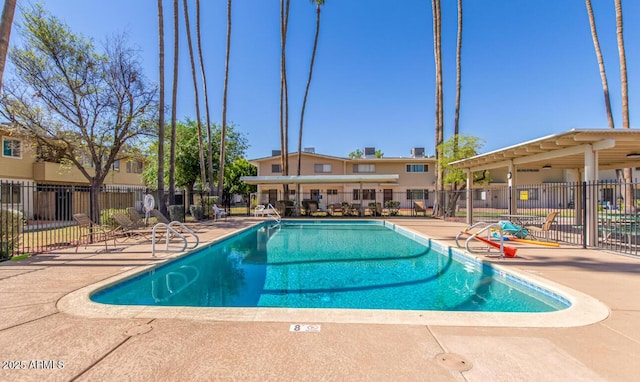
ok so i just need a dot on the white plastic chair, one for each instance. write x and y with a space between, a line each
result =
218 213
259 210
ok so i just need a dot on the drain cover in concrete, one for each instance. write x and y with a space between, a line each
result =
454 361
140 329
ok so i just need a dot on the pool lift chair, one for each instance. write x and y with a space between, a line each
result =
476 231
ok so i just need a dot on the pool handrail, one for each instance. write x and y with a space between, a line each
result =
172 231
270 208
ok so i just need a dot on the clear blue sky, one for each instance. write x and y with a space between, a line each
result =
529 67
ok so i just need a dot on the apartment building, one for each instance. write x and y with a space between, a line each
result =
415 177
25 178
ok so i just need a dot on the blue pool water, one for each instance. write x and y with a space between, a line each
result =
307 264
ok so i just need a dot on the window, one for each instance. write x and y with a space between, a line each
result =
116 165
10 193
418 194
364 168
11 148
367 194
320 168
332 192
417 168
276 168
134 167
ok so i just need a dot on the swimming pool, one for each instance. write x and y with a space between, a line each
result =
332 264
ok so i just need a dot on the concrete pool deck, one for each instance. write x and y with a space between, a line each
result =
35 326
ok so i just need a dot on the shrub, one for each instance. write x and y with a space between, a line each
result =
106 217
393 206
11 222
197 212
176 212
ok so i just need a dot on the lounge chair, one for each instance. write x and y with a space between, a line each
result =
92 231
129 229
160 218
418 207
135 217
335 208
542 230
218 213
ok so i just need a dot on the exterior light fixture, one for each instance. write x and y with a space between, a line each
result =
633 155
509 175
546 167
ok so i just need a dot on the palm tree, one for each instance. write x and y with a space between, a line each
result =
206 99
603 74
161 202
223 128
203 176
439 124
284 97
456 126
319 4
5 32
627 172
174 101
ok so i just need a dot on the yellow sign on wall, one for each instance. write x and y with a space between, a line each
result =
524 195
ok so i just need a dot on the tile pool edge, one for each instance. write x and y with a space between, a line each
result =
584 310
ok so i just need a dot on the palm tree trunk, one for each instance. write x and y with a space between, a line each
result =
439 127
284 101
603 74
223 128
203 175
629 196
206 100
174 102
5 32
319 4
161 202
456 125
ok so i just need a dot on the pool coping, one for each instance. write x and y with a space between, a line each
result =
584 309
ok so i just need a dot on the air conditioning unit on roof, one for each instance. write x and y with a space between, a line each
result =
417 152
369 152
276 153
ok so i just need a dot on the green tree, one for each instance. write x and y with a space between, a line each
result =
356 154
187 154
232 183
456 148
85 105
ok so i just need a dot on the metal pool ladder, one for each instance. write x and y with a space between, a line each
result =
171 231
271 210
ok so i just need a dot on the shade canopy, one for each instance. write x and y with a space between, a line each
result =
616 148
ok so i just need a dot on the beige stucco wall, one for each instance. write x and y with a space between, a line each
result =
17 168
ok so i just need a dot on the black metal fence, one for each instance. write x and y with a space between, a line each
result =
37 218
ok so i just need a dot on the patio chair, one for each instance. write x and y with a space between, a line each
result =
335 208
135 217
129 229
259 210
418 207
218 213
375 209
89 229
160 218
544 228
